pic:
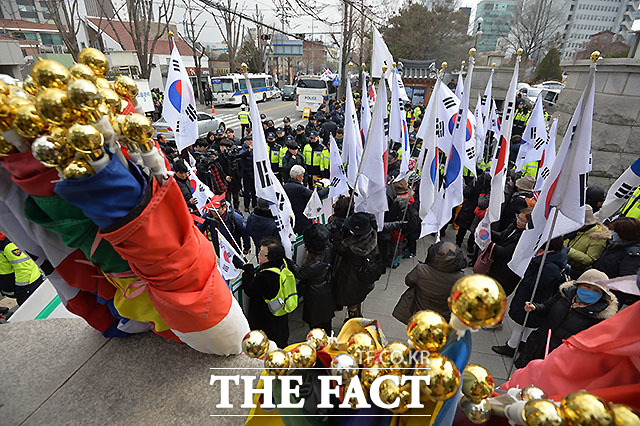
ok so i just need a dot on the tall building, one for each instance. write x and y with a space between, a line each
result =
497 16
588 17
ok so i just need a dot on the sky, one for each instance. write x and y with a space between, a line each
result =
330 10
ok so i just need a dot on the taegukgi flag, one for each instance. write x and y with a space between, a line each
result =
352 139
621 191
338 185
179 105
225 260
534 138
564 191
398 131
548 156
267 185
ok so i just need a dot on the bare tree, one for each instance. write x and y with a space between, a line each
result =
65 15
137 19
254 51
535 26
192 33
233 32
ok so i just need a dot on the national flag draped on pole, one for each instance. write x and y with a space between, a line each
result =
479 131
548 156
450 194
534 138
563 196
460 84
371 194
465 126
382 57
398 131
201 192
179 105
365 112
352 140
225 260
621 191
267 185
338 185
500 158
486 101
313 209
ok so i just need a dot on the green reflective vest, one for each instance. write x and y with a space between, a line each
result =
530 169
632 208
287 297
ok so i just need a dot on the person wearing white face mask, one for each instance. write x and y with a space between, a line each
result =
577 306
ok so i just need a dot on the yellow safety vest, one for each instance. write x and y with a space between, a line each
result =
244 117
632 208
315 158
530 169
274 154
15 261
287 297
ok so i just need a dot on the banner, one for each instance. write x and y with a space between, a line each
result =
179 105
338 185
225 260
548 157
534 138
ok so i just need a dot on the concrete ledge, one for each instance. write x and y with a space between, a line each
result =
61 371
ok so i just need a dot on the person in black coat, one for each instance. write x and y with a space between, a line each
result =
552 277
261 223
520 199
260 285
393 169
182 179
230 224
504 245
471 193
301 136
291 158
299 196
577 305
315 279
311 126
245 171
328 128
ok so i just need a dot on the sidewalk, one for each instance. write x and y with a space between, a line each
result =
380 303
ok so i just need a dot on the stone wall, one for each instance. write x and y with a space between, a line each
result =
616 119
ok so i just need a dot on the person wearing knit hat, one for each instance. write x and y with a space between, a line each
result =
586 244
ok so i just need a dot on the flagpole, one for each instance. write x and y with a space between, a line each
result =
239 250
535 287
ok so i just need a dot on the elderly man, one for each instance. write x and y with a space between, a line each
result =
299 196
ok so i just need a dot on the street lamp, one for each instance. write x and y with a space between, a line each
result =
479 22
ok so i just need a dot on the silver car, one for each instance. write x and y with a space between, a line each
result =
206 123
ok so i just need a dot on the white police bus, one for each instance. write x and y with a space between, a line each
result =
313 91
231 89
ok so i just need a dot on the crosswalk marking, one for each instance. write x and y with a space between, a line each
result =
231 121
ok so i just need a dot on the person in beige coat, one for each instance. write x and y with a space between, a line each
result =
430 282
587 244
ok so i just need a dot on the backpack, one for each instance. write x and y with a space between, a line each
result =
286 301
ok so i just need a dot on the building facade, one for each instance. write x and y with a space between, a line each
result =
497 17
588 17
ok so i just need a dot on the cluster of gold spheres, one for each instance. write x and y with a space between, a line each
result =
427 333
62 114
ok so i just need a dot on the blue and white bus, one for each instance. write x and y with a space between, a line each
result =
231 89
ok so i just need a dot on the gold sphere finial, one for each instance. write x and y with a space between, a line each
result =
170 33
351 65
444 65
463 63
384 69
393 64
472 51
244 67
595 55
493 64
519 52
363 65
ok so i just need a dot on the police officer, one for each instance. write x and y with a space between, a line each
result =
270 127
311 126
288 130
281 136
339 138
301 136
520 119
19 275
291 157
328 128
314 158
245 119
274 153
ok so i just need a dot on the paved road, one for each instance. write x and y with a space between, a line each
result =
275 109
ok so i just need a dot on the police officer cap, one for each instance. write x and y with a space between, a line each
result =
247 138
270 123
299 127
279 130
219 132
263 116
413 136
291 143
393 153
312 118
313 135
340 131
286 119
271 135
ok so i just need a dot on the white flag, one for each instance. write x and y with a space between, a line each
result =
500 159
381 55
267 185
352 140
192 161
365 112
564 192
621 191
338 185
371 194
398 131
479 131
446 111
534 137
460 85
482 233
201 192
548 157
313 209
486 102
225 260
428 159
465 126
179 105
450 194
